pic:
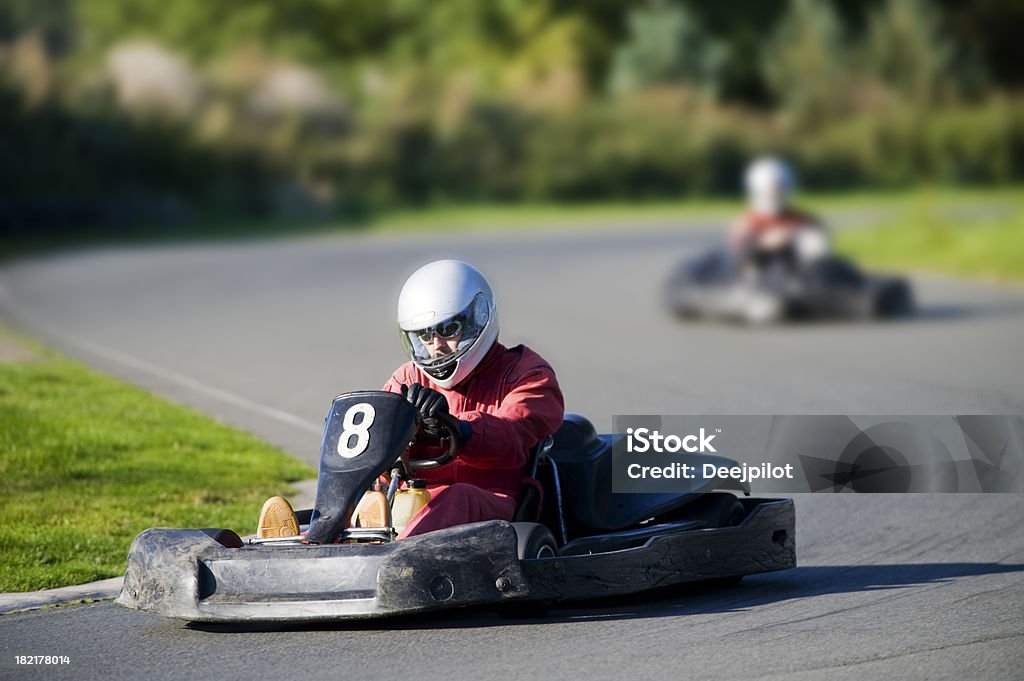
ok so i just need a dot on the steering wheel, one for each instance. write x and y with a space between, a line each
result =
454 447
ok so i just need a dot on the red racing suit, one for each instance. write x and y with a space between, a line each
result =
749 229
511 401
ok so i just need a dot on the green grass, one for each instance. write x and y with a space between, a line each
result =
533 216
622 213
86 463
966 232
982 238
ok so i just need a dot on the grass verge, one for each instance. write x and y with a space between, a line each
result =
982 239
86 463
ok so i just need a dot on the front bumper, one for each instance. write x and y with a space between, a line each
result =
185 574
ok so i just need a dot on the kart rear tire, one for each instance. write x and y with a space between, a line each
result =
718 509
894 299
535 541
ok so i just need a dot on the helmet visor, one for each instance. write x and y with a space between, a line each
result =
440 345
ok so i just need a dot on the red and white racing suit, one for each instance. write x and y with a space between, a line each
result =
511 401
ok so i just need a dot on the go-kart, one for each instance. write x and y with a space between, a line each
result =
716 286
572 538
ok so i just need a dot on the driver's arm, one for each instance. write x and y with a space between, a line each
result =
394 384
531 410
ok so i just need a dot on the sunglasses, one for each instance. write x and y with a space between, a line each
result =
444 330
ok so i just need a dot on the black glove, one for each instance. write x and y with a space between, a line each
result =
430 404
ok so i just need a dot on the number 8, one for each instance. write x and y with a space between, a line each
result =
358 430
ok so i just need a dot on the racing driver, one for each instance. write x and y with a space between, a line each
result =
505 400
772 231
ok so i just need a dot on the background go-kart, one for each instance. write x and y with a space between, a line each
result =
191 121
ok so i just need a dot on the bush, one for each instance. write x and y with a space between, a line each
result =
75 165
978 144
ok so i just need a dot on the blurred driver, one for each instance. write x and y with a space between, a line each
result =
771 230
505 400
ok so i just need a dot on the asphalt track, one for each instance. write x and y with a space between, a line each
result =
263 334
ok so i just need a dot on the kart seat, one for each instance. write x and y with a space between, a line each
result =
584 461
577 471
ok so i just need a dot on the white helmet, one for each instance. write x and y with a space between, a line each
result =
447 299
769 183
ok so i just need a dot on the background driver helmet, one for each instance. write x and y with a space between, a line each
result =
449 299
769 183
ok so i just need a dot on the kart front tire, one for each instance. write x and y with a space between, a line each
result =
227 538
534 541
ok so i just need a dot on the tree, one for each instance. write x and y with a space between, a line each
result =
908 48
806 62
666 44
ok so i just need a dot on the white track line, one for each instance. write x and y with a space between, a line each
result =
158 371
194 384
